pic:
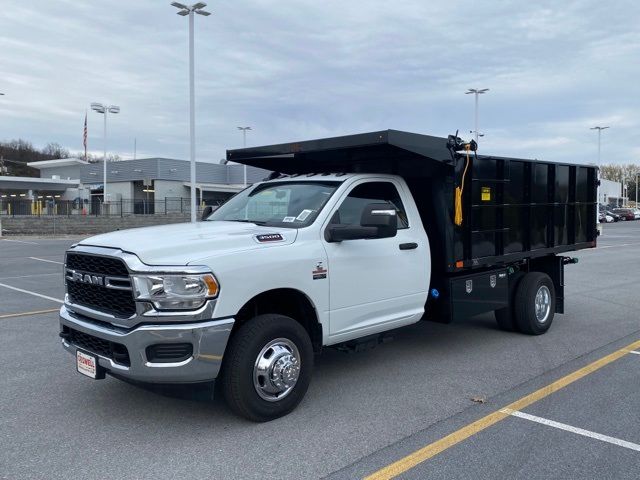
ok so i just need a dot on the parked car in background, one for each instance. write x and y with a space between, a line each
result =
615 216
636 212
605 218
625 213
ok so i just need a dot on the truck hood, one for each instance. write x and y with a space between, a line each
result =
185 243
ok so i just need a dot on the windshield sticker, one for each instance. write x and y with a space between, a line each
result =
269 237
288 219
303 215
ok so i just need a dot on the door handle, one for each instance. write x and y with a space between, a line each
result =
408 246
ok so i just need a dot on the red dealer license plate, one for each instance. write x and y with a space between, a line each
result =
87 364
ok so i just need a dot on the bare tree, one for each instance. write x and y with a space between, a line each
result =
55 150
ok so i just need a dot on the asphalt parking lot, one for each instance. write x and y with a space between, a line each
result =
562 405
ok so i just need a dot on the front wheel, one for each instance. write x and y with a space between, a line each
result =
267 367
535 303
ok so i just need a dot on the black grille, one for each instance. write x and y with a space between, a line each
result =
119 303
115 351
115 302
97 265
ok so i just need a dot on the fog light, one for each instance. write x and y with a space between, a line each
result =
169 352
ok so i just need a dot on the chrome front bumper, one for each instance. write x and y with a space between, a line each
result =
209 340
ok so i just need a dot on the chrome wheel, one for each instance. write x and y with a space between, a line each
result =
543 304
276 369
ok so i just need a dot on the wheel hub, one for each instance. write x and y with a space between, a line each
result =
543 304
276 369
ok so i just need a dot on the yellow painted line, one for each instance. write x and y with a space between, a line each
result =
35 312
211 357
425 453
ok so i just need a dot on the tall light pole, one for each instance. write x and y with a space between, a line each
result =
599 129
184 11
476 92
104 109
244 145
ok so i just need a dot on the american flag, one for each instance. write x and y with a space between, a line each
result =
84 136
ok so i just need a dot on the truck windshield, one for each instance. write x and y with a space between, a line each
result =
283 204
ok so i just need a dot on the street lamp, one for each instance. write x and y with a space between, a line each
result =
476 92
185 10
244 145
104 109
599 132
599 129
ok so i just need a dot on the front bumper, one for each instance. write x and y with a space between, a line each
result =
209 340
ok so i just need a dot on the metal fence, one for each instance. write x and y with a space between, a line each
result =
95 207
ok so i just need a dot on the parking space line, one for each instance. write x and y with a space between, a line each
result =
413 459
614 246
31 293
31 276
19 241
45 260
23 314
576 430
634 352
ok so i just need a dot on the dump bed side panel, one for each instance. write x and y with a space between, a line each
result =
514 209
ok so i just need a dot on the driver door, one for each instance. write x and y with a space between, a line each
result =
374 285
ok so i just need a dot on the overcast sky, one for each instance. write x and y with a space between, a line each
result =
301 69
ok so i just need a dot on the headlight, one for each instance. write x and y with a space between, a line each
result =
175 291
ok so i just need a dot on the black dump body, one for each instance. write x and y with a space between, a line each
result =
512 209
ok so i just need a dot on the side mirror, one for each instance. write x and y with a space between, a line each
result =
378 220
208 210
383 216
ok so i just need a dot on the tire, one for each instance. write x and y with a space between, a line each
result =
272 341
505 317
535 286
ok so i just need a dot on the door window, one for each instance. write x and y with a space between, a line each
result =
352 207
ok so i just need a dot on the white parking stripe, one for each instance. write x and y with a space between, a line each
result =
576 430
31 293
31 276
634 351
20 241
45 260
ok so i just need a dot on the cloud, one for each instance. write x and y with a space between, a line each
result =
310 69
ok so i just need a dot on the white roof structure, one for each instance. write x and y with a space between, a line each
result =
60 162
216 187
40 184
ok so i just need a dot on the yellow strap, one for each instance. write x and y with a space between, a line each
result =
458 195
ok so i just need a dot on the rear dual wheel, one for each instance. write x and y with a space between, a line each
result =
532 306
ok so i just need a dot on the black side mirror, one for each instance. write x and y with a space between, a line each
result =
383 216
378 220
208 210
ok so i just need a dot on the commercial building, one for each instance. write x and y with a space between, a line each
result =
146 185
611 193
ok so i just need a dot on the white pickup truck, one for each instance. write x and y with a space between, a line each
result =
311 259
